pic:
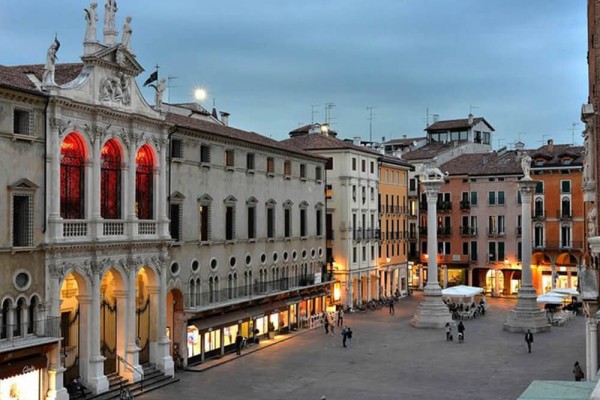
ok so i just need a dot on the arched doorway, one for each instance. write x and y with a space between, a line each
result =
541 274
73 302
494 279
146 312
112 295
566 271
176 331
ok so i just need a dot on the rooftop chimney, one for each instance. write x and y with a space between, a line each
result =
470 119
356 140
550 145
224 117
436 118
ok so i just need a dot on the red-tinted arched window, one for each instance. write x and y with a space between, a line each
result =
110 180
72 177
144 183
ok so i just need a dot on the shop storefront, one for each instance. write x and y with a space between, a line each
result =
215 336
22 378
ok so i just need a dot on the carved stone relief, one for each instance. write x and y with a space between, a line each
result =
116 89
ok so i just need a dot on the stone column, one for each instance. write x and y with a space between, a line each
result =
130 195
432 312
96 380
593 366
56 389
526 314
163 221
552 275
350 293
131 350
95 187
54 218
369 296
164 359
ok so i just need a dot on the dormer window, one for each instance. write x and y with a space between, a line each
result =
539 162
566 161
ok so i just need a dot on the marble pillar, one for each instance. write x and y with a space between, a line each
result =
96 380
432 312
526 314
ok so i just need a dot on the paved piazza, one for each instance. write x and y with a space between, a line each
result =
389 359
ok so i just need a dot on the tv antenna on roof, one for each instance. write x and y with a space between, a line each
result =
573 125
472 107
170 85
313 112
328 108
370 109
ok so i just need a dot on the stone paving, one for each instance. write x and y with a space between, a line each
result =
389 359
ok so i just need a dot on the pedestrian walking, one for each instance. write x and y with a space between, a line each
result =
331 325
326 324
392 312
340 321
348 336
239 340
529 340
448 332
461 332
344 336
578 372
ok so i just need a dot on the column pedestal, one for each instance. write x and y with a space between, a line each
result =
526 314
432 312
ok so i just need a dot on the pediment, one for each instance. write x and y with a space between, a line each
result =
23 183
116 57
177 196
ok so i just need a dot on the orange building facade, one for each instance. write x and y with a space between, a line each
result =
393 224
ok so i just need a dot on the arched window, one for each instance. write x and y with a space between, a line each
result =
144 182
192 293
18 326
110 180
5 322
72 177
32 315
230 287
566 207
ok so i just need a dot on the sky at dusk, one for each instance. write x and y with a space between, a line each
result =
274 65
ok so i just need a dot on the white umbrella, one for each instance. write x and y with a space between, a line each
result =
567 291
461 291
557 294
548 299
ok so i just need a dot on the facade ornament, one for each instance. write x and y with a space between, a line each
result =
49 67
57 271
137 138
59 124
159 92
127 31
124 137
91 17
526 166
110 9
428 170
116 89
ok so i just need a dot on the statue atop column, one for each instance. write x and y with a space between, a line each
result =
428 171
160 90
526 166
91 17
49 67
127 31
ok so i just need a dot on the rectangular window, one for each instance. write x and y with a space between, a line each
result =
270 223
473 251
465 248
251 222
353 164
176 149
270 165
372 167
329 164
319 222
328 192
353 192
250 161
204 211
519 252
473 198
501 251
318 173
372 253
492 251
565 186
287 222
501 197
229 158
519 201
302 222
364 253
302 171
175 224
539 188
364 194
412 184
491 198
287 168
501 225
363 165
22 220
204 154
354 255
229 223
22 122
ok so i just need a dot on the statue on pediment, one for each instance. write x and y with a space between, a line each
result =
127 31
49 67
110 10
91 17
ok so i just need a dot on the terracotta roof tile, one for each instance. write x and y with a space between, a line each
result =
233 133
319 141
428 151
453 124
16 76
405 141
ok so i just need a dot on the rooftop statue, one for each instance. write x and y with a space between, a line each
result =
48 74
526 166
127 31
91 17
110 9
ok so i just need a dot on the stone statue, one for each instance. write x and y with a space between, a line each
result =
48 74
591 221
160 90
110 9
427 170
91 17
526 166
126 40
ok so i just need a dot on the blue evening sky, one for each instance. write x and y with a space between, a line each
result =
520 64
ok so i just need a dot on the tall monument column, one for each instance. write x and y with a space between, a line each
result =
432 312
526 314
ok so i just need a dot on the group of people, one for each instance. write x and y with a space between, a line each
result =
461 332
459 309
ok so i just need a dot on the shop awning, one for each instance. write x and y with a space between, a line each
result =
218 321
22 366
